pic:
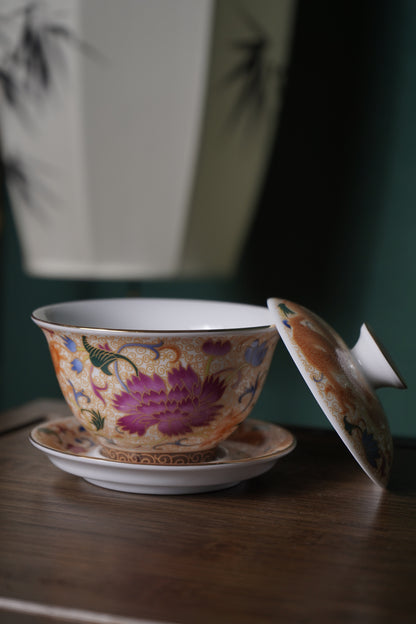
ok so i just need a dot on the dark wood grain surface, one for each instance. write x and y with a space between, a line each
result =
313 540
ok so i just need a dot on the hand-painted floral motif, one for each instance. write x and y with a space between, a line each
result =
370 444
216 348
56 357
66 435
78 394
102 358
256 353
250 391
162 393
97 420
77 365
186 402
69 343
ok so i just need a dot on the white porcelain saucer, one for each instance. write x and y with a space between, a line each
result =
252 450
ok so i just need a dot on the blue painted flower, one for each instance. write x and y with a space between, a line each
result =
69 343
255 353
77 365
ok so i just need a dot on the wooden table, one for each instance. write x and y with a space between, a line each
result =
313 540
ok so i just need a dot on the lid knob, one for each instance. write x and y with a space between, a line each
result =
375 362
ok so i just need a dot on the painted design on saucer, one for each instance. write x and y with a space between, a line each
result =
142 395
71 437
340 388
252 440
65 435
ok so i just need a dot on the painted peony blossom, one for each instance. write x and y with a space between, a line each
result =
187 401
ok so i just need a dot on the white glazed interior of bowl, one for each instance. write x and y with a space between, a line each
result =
153 315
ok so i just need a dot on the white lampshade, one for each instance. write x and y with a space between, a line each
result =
140 154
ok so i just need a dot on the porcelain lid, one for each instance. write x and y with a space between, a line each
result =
343 381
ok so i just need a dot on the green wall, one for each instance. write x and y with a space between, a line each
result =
336 220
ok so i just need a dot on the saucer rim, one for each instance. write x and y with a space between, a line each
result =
212 465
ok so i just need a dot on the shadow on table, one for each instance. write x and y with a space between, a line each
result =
403 474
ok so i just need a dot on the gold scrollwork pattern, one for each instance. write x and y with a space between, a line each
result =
159 459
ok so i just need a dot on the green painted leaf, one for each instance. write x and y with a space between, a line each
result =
286 311
97 420
100 358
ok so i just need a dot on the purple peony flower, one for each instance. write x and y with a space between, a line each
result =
186 402
216 348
